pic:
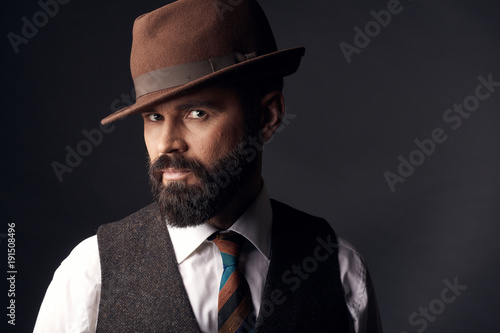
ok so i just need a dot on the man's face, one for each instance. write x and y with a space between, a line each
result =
190 140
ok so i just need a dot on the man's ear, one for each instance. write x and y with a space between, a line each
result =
273 111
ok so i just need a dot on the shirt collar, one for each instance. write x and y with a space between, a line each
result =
254 224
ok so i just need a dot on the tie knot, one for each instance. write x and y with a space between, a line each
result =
229 244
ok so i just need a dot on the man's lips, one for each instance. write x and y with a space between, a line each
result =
174 174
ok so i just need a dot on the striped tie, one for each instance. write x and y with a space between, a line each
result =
235 302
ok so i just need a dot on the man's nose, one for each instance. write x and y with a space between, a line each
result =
171 139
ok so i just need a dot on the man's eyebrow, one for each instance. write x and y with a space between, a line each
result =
197 104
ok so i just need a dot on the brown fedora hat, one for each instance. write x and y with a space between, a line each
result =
191 43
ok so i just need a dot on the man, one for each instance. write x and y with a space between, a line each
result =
213 253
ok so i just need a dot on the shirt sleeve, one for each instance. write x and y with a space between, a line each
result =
358 290
71 302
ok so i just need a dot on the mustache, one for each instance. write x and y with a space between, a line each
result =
175 161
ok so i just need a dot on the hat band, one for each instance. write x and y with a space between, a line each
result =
178 75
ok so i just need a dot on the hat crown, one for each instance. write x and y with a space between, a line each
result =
187 31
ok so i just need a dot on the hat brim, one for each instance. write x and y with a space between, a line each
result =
282 63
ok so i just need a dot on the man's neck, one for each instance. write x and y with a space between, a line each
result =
238 205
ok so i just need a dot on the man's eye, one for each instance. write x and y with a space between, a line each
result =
196 114
154 116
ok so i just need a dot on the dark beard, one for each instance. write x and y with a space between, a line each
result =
185 205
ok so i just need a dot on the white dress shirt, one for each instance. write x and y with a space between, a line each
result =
71 303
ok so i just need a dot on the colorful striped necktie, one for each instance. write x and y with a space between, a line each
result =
235 301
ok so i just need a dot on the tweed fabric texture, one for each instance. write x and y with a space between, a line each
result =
142 290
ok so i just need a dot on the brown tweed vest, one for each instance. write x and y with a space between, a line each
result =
142 290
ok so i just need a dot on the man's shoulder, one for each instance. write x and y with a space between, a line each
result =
295 217
292 226
81 265
83 252
133 220
136 228
349 256
282 208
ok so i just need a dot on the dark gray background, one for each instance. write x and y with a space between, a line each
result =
352 121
